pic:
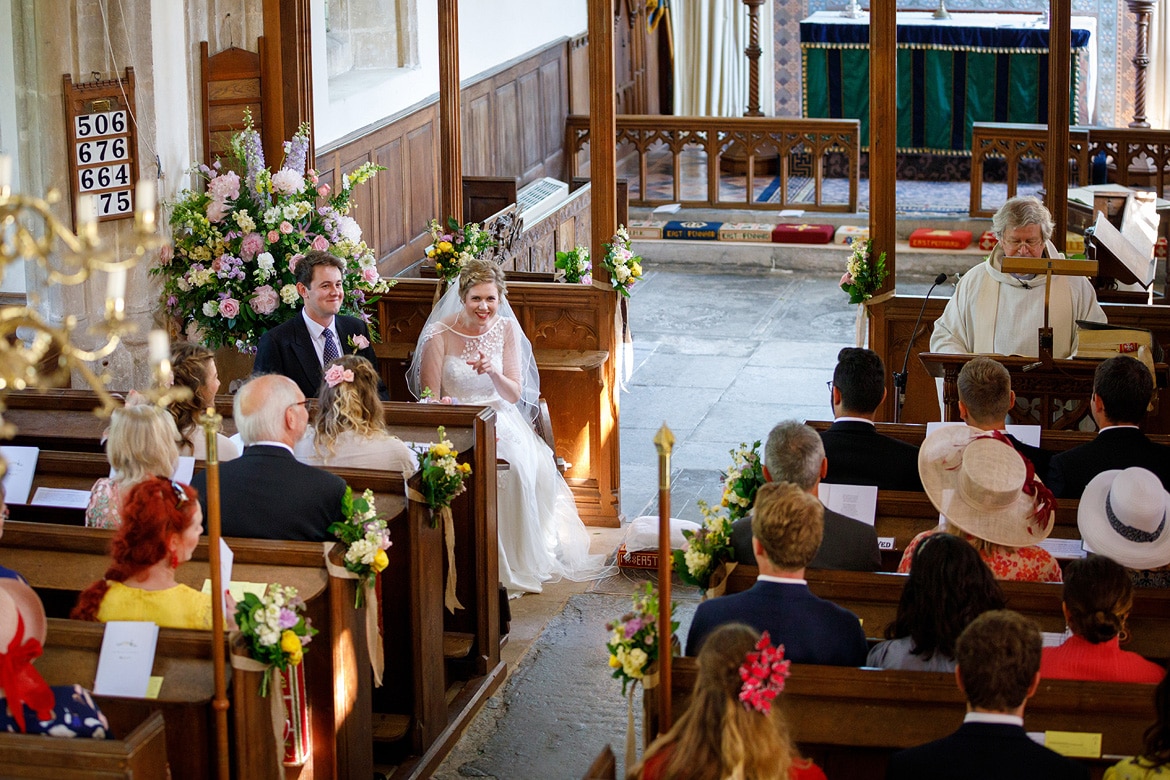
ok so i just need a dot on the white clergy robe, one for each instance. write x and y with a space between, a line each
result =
995 313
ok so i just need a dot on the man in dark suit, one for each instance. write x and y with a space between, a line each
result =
857 453
794 453
787 528
985 397
266 493
1122 387
998 670
302 345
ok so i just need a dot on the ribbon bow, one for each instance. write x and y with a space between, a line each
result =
1045 502
23 685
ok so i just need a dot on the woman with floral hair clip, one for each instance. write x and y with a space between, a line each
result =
730 728
350 428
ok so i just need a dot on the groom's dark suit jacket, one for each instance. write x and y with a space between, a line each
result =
288 349
266 493
848 544
1117 448
859 455
978 751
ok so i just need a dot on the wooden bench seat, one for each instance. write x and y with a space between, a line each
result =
850 720
139 755
1054 440
874 598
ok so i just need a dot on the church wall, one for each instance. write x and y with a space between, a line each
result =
1114 48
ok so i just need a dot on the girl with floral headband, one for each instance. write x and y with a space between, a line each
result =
350 428
730 728
161 526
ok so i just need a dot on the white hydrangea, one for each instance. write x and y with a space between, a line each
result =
362 551
210 308
697 562
289 294
183 284
267 636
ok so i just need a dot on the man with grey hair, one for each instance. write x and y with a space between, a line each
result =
266 493
993 312
794 453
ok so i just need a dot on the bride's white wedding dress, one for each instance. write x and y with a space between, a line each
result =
541 536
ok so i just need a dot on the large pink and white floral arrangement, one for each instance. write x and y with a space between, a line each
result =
230 276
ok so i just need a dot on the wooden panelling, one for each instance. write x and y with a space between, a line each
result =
389 155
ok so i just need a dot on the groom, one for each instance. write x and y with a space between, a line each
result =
301 346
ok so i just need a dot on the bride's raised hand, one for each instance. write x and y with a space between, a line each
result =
481 364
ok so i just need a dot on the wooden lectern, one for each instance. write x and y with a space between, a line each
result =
1049 266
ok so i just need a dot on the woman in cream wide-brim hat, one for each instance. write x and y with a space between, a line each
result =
1122 516
989 494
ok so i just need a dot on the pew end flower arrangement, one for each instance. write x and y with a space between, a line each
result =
863 275
230 276
633 639
742 479
576 265
453 246
274 630
366 538
624 267
440 481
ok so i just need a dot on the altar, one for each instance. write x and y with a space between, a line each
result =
973 67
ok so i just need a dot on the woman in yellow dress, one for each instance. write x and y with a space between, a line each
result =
161 526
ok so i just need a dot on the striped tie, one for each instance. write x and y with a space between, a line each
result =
331 351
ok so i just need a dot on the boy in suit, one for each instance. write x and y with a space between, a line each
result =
986 397
998 670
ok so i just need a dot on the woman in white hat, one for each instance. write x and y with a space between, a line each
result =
1122 516
989 495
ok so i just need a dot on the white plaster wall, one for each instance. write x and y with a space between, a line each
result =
172 113
492 32
9 128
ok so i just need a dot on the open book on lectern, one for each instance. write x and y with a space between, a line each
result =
1120 256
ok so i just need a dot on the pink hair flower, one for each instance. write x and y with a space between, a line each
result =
336 375
763 673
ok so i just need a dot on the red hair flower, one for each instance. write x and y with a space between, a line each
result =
763 673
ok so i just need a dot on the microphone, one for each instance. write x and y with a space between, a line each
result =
900 377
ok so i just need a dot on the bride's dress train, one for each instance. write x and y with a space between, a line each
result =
541 536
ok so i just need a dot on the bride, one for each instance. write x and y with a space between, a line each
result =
472 351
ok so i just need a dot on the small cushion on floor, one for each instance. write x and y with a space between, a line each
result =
932 238
802 234
692 231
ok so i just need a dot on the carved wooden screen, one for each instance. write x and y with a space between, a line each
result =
232 83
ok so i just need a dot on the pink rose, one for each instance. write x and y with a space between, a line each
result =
217 264
286 227
370 275
292 262
229 308
335 375
320 243
273 236
359 342
251 245
846 278
311 175
166 254
265 300
323 190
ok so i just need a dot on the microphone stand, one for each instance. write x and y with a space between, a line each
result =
900 377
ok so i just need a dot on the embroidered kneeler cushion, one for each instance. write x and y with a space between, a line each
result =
802 234
927 238
1160 249
987 241
746 231
847 234
692 231
645 228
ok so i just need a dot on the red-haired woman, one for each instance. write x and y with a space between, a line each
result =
161 526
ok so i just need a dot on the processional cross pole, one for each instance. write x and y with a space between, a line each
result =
210 421
1049 266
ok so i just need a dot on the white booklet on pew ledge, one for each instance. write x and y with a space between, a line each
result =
126 659
856 501
70 499
1028 434
22 466
1064 549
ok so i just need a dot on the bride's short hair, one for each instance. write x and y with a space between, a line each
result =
478 272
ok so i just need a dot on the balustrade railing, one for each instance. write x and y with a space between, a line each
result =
779 163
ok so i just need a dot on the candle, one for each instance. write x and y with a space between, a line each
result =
144 203
5 171
116 285
87 218
160 347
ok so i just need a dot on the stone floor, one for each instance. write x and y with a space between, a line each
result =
720 358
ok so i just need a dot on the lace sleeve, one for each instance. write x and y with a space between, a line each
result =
512 353
432 348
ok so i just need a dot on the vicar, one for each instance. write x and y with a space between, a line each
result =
993 312
304 344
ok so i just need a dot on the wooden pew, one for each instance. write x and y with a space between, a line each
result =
141 754
914 433
571 329
874 598
850 720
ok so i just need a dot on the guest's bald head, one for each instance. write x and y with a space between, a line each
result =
270 408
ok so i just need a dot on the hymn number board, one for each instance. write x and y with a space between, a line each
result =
103 144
